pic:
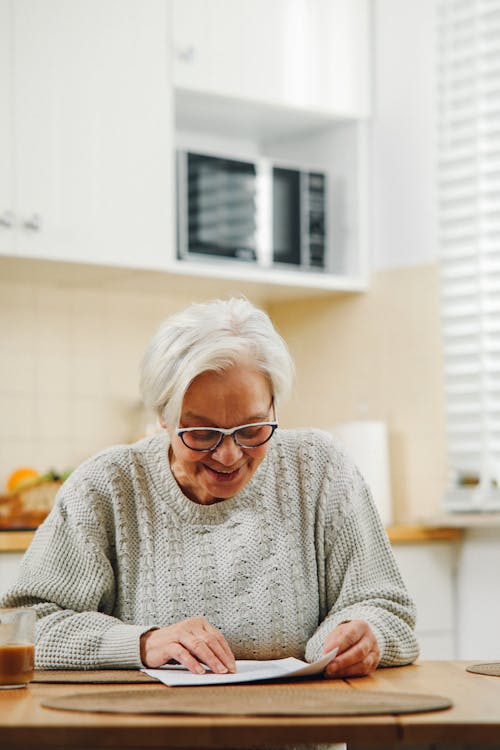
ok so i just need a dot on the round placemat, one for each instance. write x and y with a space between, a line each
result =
249 700
491 668
93 676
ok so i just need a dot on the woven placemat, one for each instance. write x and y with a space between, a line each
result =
491 668
284 700
93 676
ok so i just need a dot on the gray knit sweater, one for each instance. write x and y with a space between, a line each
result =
299 550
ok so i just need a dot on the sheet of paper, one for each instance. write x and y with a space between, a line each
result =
246 671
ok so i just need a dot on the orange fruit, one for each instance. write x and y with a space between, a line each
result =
20 477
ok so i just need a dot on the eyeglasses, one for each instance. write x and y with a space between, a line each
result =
204 439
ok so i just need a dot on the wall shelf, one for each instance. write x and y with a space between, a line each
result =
259 121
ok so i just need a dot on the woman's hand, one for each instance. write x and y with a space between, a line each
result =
358 652
192 643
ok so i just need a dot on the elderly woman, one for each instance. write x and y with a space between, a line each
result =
223 537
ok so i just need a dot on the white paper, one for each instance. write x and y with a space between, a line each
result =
246 671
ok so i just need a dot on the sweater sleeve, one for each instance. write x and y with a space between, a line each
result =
360 577
68 579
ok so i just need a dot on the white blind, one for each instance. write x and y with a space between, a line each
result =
469 238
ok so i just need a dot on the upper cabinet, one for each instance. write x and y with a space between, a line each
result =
6 138
86 131
302 54
283 85
99 94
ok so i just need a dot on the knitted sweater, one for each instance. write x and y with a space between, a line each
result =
297 551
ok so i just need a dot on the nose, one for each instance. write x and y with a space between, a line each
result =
228 452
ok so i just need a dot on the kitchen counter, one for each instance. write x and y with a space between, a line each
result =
15 541
19 541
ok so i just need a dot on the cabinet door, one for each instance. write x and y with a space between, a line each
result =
6 143
297 53
245 50
339 56
428 571
93 130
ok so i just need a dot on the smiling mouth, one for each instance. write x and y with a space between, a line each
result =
223 476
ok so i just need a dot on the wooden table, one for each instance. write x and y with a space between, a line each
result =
474 719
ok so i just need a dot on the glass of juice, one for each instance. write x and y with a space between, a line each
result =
17 647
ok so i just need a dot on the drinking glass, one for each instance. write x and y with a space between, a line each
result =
17 647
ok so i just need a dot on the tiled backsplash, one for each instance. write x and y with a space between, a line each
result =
69 371
69 362
378 356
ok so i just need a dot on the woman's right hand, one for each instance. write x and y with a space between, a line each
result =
192 642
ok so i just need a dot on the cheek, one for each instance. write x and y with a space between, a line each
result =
258 455
184 457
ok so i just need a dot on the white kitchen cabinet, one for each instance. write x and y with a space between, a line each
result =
92 91
479 589
6 179
429 571
288 81
310 54
86 105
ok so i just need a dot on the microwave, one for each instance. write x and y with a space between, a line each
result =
256 211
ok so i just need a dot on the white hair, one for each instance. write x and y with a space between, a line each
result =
211 336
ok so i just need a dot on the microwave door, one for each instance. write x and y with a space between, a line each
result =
220 207
286 216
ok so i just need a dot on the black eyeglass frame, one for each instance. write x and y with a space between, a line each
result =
224 433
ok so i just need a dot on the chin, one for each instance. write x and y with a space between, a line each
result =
225 492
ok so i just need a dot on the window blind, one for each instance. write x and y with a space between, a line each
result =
468 99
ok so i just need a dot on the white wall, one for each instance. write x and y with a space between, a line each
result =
403 151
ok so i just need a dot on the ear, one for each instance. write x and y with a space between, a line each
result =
163 423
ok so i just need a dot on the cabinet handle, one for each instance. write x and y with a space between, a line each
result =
187 54
7 220
33 223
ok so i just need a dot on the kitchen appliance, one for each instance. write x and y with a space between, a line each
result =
255 211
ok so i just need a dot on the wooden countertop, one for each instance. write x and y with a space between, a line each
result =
473 719
19 541
15 541
411 533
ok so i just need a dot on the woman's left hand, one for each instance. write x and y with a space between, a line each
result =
358 652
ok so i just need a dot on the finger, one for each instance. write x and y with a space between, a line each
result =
365 652
357 669
224 654
221 648
205 651
344 636
215 639
183 656
368 656
347 635
357 653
